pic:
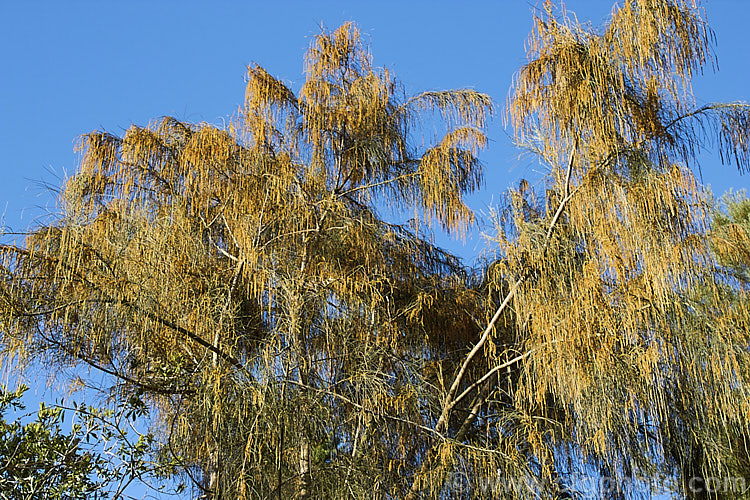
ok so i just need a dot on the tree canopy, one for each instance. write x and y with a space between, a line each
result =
98 459
39 460
243 284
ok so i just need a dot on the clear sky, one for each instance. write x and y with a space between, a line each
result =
70 67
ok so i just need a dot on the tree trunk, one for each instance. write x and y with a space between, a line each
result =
304 442
213 460
304 468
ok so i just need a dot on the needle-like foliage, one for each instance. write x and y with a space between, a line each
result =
629 359
619 345
242 282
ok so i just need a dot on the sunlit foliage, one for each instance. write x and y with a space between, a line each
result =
244 283
636 362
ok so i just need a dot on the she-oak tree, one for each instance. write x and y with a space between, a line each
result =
292 342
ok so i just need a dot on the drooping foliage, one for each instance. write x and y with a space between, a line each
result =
626 358
244 283
636 362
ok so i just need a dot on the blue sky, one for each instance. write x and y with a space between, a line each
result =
67 68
